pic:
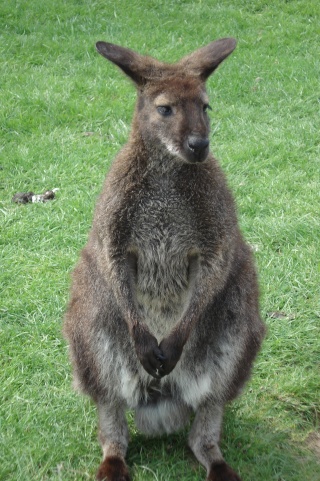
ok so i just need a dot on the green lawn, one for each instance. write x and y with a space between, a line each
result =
64 113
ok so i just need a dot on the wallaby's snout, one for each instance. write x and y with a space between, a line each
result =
197 148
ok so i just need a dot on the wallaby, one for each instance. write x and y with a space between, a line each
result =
163 317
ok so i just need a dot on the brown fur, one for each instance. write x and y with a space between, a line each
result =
113 468
163 317
222 472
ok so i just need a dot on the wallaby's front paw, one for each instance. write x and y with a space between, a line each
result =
172 351
148 351
222 472
113 468
151 359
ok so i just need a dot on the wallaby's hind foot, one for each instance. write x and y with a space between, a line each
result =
113 468
113 436
222 472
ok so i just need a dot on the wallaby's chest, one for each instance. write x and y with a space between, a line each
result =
163 229
162 237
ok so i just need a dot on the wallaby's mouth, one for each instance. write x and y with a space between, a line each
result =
196 149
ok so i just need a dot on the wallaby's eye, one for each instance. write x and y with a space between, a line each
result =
164 110
206 107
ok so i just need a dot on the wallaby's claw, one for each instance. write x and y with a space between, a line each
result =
158 364
160 357
152 364
172 351
148 352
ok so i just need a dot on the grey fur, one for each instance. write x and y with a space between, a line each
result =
163 316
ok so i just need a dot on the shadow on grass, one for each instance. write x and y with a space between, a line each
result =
252 447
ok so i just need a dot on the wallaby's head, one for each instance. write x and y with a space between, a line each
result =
172 105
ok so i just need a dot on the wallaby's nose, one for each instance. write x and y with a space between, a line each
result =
199 148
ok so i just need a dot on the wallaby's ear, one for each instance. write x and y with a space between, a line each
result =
136 66
205 60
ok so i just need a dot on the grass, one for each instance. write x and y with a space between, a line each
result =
65 113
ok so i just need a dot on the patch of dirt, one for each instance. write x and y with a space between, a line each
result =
313 443
280 315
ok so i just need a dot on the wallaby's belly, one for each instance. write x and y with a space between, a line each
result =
163 237
162 288
162 241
